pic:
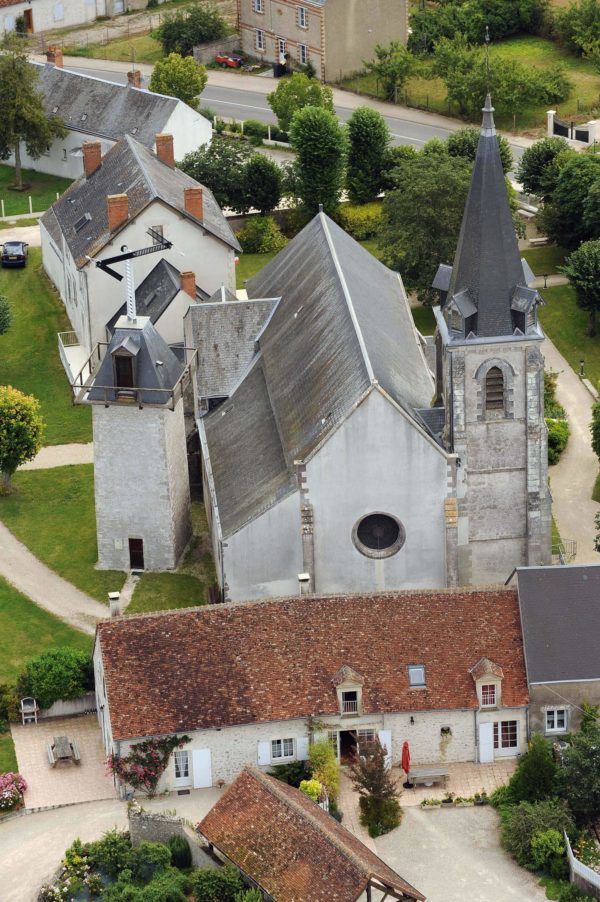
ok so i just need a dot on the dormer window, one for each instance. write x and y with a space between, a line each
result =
348 684
124 371
488 678
350 701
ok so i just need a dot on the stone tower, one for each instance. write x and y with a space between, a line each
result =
490 378
140 463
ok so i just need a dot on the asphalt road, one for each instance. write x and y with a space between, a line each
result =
241 103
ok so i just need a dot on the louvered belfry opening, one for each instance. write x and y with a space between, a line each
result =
494 389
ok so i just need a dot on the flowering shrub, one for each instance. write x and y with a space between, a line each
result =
12 787
146 762
77 876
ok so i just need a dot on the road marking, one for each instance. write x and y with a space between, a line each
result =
245 106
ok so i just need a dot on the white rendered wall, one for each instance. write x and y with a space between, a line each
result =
53 13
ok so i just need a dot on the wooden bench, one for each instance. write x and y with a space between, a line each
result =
428 775
50 753
538 242
76 752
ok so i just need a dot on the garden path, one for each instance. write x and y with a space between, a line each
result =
572 479
61 456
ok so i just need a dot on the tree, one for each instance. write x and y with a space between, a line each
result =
421 218
539 167
583 269
263 183
181 32
368 145
566 223
295 93
534 778
217 884
21 431
578 26
180 77
377 788
59 673
23 118
221 167
463 143
589 717
393 66
321 145
579 775
5 314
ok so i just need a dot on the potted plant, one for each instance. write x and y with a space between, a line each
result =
481 798
430 804
448 800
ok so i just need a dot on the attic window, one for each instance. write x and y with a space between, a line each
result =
82 222
378 535
55 109
83 117
134 130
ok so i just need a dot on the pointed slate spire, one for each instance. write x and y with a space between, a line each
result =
487 266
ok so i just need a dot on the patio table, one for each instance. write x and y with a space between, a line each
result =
62 748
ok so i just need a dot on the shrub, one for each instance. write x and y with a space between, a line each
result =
9 703
5 315
201 23
558 436
578 777
545 846
249 895
520 823
535 775
501 796
111 853
325 767
296 93
59 673
552 408
361 222
379 816
149 859
181 854
12 787
368 142
263 179
167 886
311 788
293 774
569 892
261 235
278 134
589 712
254 128
222 885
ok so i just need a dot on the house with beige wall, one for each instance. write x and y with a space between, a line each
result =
442 670
334 35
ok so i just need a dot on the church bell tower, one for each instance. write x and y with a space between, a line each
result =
490 378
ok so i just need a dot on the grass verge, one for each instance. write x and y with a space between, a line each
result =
565 324
43 190
596 490
143 48
29 354
17 224
27 630
545 259
8 759
52 513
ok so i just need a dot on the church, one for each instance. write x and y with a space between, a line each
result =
345 452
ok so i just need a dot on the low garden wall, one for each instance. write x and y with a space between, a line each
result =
585 878
85 704
145 826
205 53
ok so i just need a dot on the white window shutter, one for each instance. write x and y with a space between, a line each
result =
264 753
302 748
385 738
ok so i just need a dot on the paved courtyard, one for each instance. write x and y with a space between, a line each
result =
66 782
464 780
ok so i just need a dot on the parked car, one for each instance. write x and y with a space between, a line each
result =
229 60
14 253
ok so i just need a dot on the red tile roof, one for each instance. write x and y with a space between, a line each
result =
276 659
291 847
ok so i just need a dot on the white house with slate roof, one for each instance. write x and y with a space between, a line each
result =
122 196
93 109
337 462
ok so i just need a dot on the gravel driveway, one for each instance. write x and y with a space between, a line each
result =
453 856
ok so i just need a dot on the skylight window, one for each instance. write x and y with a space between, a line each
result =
134 130
82 222
83 117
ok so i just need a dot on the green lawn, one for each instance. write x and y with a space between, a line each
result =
17 223
8 759
26 630
249 265
52 513
29 353
596 489
143 48
430 93
545 259
43 190
565 324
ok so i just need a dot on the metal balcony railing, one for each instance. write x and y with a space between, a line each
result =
350 706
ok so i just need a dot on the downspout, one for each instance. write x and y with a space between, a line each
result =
476 735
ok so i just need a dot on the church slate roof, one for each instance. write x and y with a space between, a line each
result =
128 168
103 108
487 265
272 660
225 336
290 847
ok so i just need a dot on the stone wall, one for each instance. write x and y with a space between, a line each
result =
205 53
145 826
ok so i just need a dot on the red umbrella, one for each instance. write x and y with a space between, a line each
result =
406 764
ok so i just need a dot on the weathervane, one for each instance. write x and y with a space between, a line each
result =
487 58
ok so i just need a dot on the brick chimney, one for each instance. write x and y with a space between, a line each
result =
188 283
92 157
164 149
193 202
54 55
117 206
134 79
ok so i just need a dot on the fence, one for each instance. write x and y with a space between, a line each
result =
564 552
587 880
119 28
85 704
584 133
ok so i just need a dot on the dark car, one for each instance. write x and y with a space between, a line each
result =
226 59
14 253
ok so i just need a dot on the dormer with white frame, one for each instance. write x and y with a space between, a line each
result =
349 686
488 677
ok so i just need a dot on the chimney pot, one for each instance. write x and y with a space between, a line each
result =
193 202
117 206
134 79
165 150
188 283
54 55
114 601
92 157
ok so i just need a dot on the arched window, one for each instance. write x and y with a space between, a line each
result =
494 389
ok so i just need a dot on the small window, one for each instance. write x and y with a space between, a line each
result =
350 702
302 17
82 222
416 674
488 696
258 6
366 735
259 39
556 720
282 748
182 765
494 389
303 54
378 535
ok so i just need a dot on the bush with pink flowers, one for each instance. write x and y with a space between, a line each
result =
12 787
